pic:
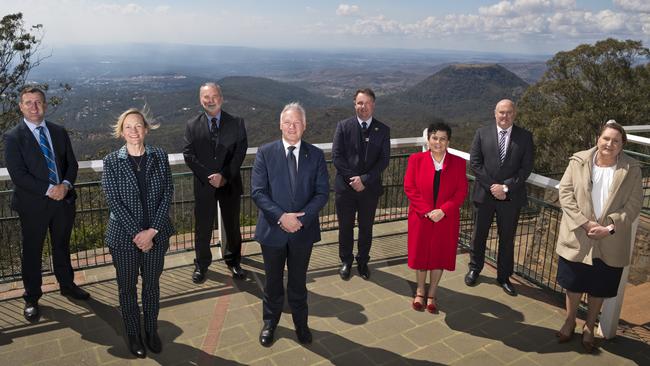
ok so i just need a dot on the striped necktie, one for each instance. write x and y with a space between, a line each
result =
502 145
49 156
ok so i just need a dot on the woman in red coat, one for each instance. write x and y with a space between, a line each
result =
436 186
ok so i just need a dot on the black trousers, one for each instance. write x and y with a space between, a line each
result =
58 217
296 256
129 264
507 216
362 206
205 210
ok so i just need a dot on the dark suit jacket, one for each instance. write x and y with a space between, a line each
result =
28 169
205 159
123 197
271 193
345 155
486 164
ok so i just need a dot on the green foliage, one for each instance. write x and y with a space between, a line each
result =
582 89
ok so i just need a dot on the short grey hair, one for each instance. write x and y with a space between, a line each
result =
211 84
294 106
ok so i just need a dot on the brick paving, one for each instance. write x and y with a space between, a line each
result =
354 323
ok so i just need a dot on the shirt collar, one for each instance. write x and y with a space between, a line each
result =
210 117
32 126
369 121
509 129
286 145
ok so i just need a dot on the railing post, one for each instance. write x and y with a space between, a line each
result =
221 238
611 311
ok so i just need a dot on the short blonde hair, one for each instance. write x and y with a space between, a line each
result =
144 113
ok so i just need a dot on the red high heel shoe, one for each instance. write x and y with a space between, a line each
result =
431 305
418 306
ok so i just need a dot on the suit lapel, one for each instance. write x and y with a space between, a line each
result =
125 167
34 144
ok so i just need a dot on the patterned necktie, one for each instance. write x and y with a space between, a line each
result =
49 156
293 169
214 128
502 145
364 127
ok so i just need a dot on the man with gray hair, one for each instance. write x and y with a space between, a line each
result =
289 185
215 147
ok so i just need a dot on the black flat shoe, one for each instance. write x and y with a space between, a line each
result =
153 341
471 277
238 273
364 271
508 288
266 335
32 312
134 342
75 292
344 271
304 335
198 276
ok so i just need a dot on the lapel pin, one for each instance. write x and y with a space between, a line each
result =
376 128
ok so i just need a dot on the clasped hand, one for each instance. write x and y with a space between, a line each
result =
436 215
217 180
289 221
595 230
57 192
144 239
357 184
497 191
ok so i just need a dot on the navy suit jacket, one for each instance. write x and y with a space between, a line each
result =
271 192
120 186
346 149
28 169
487 167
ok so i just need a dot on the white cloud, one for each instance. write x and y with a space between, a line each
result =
346 9
162 9
126 9
634 5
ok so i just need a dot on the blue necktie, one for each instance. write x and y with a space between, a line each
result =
502 145
49 156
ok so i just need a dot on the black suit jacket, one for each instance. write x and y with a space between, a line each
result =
346 149
28 169
487 167
269 190
205 159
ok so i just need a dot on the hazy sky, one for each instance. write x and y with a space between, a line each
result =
524 26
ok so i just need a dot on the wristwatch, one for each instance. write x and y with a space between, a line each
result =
505 188
611 230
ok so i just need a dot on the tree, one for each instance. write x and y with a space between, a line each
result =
582 89
18 56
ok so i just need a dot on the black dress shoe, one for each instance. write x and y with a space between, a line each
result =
237 272
31 311
153 341
508 288
471 277
198 276
304 335
134 342
266 335
74 292
344 271
364 271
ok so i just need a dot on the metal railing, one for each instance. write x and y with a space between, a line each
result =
534 242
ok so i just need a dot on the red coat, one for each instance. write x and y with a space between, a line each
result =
433 245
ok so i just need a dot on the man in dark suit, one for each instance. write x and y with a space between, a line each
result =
215 147
289 186
43 169
501 159
360 153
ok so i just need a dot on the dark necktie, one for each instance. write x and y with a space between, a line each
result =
214 127
293 167
502 145
364 139
49 156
